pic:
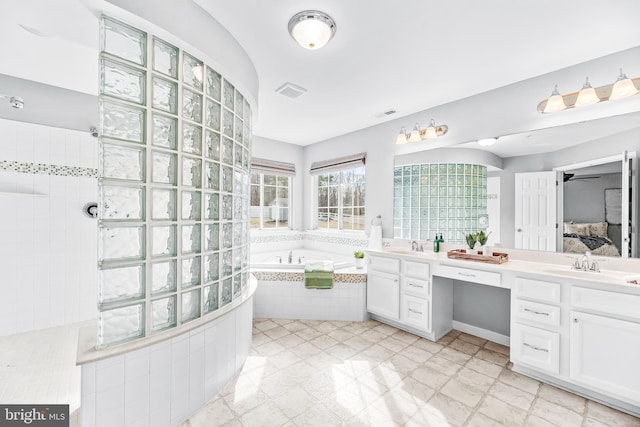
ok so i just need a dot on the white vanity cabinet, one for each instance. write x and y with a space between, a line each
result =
399 293
535 324
605 342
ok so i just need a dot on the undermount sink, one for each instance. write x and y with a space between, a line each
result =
600 276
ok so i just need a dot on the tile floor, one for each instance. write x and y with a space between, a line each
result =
317 373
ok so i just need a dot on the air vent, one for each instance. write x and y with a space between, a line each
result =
290 90
387 113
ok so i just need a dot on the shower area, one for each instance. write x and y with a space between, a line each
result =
48 276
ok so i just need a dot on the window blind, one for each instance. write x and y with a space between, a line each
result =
272 167
340 163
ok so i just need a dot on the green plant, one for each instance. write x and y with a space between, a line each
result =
482 237
471 239
358 254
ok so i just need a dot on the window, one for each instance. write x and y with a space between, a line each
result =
270 188
341 199
269 201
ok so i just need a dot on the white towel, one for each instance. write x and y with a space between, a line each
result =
375 237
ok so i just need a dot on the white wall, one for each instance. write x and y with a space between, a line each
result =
48 247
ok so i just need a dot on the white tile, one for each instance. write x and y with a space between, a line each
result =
136 387
136 409
108 400
137 364
88 410
110 373
111 418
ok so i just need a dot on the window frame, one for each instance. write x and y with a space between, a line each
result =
261 186
340 199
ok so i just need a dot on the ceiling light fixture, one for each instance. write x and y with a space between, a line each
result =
588 95
312 29
486 142
417 134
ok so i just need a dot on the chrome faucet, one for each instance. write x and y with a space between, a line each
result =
279 259
290 257
587 264
414 246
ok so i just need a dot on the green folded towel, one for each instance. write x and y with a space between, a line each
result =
318 275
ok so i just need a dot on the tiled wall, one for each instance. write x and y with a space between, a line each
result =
445 198
47 246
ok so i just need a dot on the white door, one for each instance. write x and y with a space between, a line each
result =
536 211
604 355
383 294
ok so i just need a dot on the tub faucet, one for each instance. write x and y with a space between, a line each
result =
300 258
290 257
279 259
585 261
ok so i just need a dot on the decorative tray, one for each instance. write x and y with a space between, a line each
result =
494 258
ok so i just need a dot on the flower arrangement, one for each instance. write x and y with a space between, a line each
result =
479 237
358 254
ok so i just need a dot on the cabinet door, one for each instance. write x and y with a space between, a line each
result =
604 355
416 312
383 294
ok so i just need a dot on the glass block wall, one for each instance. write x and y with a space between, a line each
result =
445 198
175 141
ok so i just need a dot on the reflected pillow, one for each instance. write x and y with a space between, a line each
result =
599 229
579 229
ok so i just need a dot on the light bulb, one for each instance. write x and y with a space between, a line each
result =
555 102
402 137
623 87
415 134
587 95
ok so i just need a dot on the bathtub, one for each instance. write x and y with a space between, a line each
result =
281 292
280 260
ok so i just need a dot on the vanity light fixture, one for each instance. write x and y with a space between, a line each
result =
623 87
402 137
417 134
588 95
312 29
555 102
487 141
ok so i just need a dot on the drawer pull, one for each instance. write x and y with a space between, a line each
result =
535 348
466 274
540 313
415 312
416 286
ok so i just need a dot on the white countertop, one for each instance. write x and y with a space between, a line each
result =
612 271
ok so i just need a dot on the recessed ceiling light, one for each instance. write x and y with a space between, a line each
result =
487 141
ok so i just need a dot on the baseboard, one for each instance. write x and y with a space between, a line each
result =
482 333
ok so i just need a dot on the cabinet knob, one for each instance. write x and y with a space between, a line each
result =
519 230
575 320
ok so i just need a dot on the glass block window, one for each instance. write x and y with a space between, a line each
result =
175 138
445 198
341 199
269 201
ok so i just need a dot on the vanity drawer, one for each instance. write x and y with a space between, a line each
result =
418 287
416 269
391 265
536 312
475 276
535 347
537 290
606 302
415 312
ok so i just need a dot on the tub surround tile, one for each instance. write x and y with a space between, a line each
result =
46 169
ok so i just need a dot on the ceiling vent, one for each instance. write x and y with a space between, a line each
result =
387 113
290 90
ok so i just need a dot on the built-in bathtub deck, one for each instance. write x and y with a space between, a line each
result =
282 294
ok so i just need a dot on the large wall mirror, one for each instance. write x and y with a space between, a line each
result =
594 203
